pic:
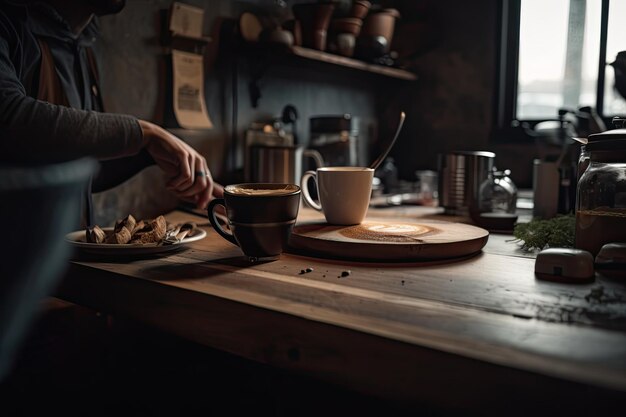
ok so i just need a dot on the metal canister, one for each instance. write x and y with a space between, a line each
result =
460 176
279 164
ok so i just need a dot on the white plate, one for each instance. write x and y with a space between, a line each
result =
77 240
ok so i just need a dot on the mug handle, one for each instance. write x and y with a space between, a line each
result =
305 189
216 224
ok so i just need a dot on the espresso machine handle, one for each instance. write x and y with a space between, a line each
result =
316 156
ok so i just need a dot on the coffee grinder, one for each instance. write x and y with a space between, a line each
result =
335 138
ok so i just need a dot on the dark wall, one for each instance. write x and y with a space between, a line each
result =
133 61
450 107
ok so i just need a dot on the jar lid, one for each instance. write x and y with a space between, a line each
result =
609 134
609 145
611 140
606 142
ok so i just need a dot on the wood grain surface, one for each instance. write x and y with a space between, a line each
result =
405 331
384 239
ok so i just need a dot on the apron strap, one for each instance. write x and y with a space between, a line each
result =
51 90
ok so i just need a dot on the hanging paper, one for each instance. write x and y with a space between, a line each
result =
189 102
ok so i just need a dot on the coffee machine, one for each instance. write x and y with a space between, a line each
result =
266 134
335 138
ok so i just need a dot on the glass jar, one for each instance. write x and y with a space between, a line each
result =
498 193
601 194
583 161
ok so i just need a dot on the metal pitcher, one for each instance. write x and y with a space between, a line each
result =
460 176
279 164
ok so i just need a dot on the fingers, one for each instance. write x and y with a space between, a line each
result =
190 178
218 190
202 180
203 198
172 155
203 185
200 199
215 190
193 174
186 171
201 191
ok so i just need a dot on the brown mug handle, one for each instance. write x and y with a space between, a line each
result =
216 224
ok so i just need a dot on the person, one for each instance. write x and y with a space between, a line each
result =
51 106
51 111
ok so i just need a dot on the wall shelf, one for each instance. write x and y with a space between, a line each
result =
334 59
264 55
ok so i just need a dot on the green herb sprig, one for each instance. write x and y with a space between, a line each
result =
557 232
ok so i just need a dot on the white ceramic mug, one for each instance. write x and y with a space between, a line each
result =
344 193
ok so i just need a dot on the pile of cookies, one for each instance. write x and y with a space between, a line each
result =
129 230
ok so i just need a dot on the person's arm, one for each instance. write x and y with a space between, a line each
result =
188 172
113 172
35 131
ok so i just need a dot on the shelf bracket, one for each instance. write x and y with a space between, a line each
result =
258 65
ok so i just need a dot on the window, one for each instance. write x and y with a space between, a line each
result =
557 54
614 103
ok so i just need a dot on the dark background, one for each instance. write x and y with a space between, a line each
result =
450 44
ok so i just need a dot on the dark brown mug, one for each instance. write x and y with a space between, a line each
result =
260 217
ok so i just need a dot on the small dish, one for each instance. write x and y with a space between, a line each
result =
77 240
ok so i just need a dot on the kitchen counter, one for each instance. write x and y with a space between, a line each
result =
451 333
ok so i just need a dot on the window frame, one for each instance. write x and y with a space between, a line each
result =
507 128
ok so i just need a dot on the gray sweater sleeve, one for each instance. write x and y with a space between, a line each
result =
33 130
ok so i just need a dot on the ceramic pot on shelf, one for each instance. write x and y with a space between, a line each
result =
360 8
293 26
343 34
347 25
377 33
314 19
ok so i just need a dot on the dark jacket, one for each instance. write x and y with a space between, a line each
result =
33 130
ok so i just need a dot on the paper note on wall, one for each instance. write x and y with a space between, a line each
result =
186 20
189 102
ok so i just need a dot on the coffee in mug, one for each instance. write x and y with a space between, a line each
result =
344 193
260 217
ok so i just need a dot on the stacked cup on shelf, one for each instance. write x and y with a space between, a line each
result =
345 28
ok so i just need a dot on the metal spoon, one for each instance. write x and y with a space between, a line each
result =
382 157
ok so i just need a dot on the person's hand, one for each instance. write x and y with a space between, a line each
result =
187 170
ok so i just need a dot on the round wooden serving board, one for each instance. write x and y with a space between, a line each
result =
388 240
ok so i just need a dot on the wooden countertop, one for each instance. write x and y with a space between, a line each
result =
407 332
